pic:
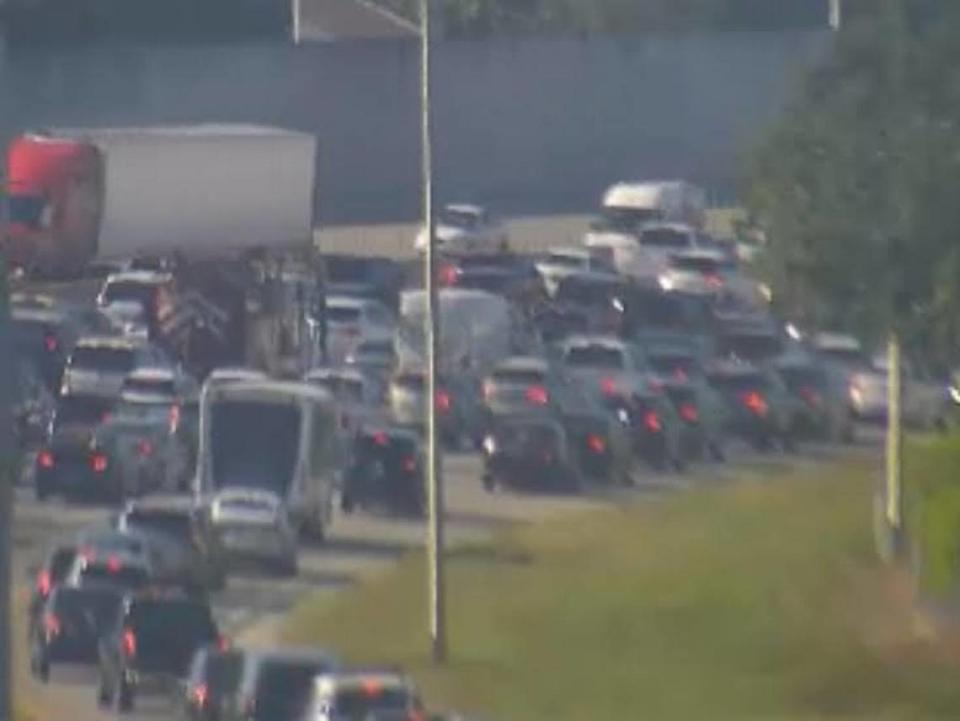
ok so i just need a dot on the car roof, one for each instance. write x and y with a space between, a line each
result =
523 363
732 368
240 388
152 373
162 503
110 341
702 254
597 276
471 208
341 373
350 301
664 225
586 339
330 682
147 277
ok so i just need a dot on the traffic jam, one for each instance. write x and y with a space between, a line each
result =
229 393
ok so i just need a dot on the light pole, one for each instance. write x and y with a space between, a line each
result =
435 570
836 14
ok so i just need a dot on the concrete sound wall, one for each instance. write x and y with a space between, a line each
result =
538 125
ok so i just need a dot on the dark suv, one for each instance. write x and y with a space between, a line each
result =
212 681
148 647
387 470
277 684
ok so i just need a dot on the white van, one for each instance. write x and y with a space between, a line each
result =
628 205
273 436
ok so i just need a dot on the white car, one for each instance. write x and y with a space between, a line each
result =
925 403
560 263
254 526
129 299
99 365
352 320
708 271
467 229
359 694
604 365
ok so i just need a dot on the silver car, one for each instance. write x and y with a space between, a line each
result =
254 527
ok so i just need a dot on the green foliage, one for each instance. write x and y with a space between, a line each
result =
932 482
857 186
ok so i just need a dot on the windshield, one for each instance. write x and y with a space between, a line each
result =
698 264
519 377
146 412
846 356
169 523
243 455
345 390
627 219
798 378
750 347
348 270
103 359
675 365
26 210
127 577
358 704
591 293
119 291
528 436
739 382
459 218
565 261
595 356
151 387
156 622
92 609
667 238
492 281
343 314
284 686
82 410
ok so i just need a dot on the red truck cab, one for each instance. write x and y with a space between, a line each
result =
53 204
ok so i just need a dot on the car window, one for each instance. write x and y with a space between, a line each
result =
80 409
170 523
666 238
518 376
283 687
343 314
103 359
362 703
595 356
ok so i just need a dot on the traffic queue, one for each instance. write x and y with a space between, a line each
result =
648 349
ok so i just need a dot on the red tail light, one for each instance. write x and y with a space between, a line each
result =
51 625
45 459
537 395
201 694
488 390
651 421
811 397
50 342
98 462
144 448
689 413
44 583
608 386
223 643
410 464
114 565
129 643
87 553
381 439
714 280
596 444
174 418
449 274
680 374
105 418
444 401
547 457
755 403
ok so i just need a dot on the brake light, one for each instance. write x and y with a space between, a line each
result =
449 274
811 397
201 694
98 462
51 625
105 418
596 444
608 386
444 401
657 385
87 553
223 643
410 464
114 565
371 687
50 342
144 448
129 643
714 280
755 403
537 395
680 374
689 413
174 418
380 438
651 421
45 459
488 390
44 583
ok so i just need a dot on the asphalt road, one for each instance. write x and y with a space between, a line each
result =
361 544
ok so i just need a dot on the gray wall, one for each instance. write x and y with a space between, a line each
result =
527 125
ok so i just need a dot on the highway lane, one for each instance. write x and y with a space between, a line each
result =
363 544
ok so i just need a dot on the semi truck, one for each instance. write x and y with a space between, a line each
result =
228 205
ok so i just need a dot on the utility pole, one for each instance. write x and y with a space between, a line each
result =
8 467
894 455
435 560
836 14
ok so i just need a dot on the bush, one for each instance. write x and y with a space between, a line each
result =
932 482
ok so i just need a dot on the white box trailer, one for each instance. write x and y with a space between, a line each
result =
202 190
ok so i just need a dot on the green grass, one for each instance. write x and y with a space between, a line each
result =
760 600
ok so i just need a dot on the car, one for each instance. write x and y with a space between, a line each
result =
655 318
131 299
159 382
69 462
376 358
351 320
708 271
357 395
386 470
69 628
277 683
369 694
148 646
57 563
529 452
253 526
655 429
702 420
363 276
601 364
760 408
124 571
212 680
510 276
458 405
44 330
33 407
559 263
529 384
100 364
191 547
823 395
601 445
925 401
752 343
466 228
599 296
644 252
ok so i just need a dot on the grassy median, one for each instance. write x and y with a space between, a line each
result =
756 600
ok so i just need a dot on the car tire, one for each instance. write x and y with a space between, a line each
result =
289 568
125 698
104 697
717 451
43 669
40 493
489 483
346 503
